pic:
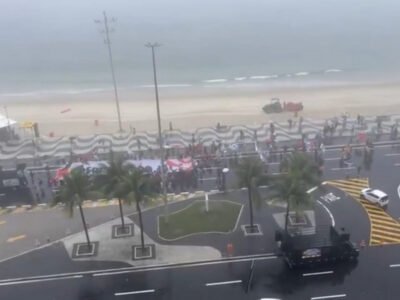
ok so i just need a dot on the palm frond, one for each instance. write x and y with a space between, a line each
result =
136 186
74 191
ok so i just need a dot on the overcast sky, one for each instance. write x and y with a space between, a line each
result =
56 33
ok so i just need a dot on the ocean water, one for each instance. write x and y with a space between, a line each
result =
54 47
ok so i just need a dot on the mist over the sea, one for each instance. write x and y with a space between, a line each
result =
54 45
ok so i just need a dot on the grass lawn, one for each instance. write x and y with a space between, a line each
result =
221 217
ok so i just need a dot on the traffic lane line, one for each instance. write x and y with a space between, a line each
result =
145 269
329 297
346 168
16 238
394 266
328 212
225 261
39 280
223 282
317 273
332 158
134 292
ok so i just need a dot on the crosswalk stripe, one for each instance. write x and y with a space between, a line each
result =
385 233
380 242
372 206
387 222
384 228
347 186
353 181
378 214
386 238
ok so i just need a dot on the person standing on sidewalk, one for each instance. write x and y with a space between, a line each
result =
358 170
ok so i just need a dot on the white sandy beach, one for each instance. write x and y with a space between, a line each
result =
195 107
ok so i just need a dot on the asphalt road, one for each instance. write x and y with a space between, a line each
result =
373 278
21 232
270 278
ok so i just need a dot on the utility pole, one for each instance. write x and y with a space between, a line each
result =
152 46
8 120
107 30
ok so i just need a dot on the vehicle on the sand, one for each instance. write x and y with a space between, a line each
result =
275 106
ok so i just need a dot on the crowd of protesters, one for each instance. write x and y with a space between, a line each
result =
210 161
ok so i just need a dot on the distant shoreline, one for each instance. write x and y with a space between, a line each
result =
197 107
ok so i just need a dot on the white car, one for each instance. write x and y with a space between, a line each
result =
375 196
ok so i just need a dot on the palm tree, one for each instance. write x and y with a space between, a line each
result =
299 174
301 167
72 193
113 180
250 173
136 186
291 192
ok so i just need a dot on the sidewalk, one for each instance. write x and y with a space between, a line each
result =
196 247
120 249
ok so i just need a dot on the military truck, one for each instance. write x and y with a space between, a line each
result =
325 246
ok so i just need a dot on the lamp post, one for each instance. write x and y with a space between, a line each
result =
107 30
8 119
152 46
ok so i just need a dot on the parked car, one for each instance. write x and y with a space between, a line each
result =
375 196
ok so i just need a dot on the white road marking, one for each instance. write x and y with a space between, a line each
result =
39 280
223 282
134 292
329 212
394 266
396 164
317 273
392 154
329 297
332 158
312 189
124 270
16 238
398 191
278 173
346 168
383 146
182 266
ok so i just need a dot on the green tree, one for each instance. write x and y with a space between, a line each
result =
113 183
136 186
73 192
300 173
250 174
302 168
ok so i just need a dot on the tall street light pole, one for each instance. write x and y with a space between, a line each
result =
8 121
152 46
107 41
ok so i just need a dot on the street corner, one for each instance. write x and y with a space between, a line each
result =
341 199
